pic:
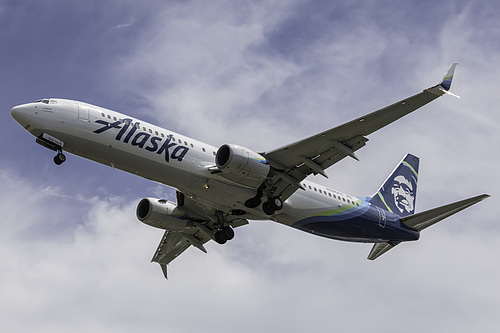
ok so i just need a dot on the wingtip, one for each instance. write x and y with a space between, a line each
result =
448 77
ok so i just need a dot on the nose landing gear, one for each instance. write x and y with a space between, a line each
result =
54 144
59 158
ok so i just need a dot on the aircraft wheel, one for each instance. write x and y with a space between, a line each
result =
276 203
268 208
59 158
227 232
219 237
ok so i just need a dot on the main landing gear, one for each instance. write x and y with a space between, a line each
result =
225 232
269 207
272 205
223 235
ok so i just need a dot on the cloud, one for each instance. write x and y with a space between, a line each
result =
262 75
125 25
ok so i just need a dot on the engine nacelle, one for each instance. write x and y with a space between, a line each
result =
242 162
162 214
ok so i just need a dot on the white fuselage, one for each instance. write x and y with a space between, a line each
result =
161 155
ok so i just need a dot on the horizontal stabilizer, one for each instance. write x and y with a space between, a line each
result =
379 249
425 219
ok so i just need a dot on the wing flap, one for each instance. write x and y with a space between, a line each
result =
317 145
425 219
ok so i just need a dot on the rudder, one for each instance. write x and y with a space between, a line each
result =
398 193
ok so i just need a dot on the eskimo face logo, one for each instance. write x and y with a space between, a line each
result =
130 134
403 193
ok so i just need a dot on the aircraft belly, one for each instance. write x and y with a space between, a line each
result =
136 162
350 223
140 162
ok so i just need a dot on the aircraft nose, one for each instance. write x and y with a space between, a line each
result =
20 113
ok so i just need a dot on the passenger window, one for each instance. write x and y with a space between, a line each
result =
150 131
203 149
315 190
114 118
185 143
103 115
320 191
180 141
144 129
192 146
330 194
156 132
162 135
109 117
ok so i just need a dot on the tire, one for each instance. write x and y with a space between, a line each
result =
227 233
268 208
276 203
219 238
57 160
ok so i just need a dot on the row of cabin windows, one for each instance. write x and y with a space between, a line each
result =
332 195
155 132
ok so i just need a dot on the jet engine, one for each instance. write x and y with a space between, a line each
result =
242 162
162 214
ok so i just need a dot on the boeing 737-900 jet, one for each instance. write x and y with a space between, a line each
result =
219 189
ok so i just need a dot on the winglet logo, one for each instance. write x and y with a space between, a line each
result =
130 133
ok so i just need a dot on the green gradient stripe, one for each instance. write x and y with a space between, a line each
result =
383 200
337 210
411 168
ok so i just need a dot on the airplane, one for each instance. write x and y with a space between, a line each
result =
219 189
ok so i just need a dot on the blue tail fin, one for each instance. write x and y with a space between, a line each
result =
399 191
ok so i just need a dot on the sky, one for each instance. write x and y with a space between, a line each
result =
260 74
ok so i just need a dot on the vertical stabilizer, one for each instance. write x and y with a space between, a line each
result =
398 193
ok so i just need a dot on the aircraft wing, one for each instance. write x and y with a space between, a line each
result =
315 154
174 243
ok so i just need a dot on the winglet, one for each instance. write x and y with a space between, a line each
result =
446 82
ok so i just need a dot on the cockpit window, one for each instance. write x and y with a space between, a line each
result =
45 100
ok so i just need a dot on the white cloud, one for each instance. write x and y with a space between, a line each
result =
125 25
208 70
